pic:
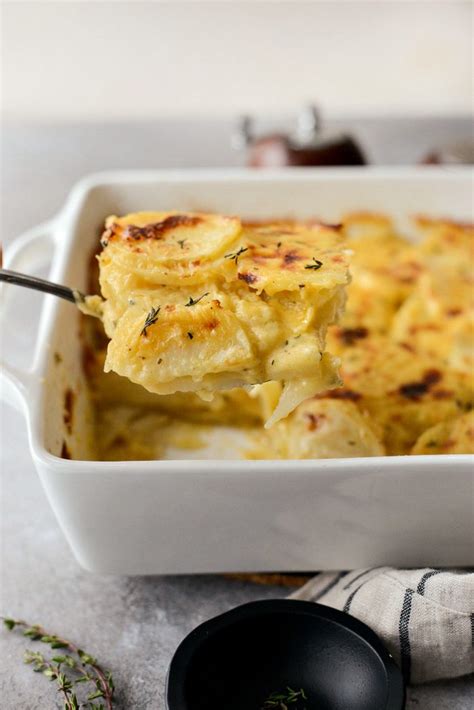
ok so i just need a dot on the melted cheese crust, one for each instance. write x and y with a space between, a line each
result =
453 436
405 342
198 303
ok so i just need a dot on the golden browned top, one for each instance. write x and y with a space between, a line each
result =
406 338
199 302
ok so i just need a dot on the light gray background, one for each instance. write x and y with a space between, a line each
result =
134 60
133 624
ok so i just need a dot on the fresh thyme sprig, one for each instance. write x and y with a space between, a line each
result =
72 667
234 256
282 699
181 242
193 302
317 264
151 318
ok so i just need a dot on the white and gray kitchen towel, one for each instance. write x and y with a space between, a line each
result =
425 617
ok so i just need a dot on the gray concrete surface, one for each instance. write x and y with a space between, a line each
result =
132 624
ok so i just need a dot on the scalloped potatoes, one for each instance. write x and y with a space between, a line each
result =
405 341
198 303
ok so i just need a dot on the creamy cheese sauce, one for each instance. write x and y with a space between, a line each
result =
405 342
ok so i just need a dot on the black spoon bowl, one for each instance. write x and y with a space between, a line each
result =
236 661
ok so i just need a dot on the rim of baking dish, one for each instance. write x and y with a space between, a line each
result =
65 220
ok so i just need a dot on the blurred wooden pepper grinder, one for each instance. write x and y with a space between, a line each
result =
308 146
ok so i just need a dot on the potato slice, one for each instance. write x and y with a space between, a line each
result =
198 303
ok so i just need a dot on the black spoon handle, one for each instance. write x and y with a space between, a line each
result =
13 277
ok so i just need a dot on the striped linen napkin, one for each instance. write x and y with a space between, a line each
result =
425 617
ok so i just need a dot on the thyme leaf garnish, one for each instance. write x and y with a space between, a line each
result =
281 699
181 242
317 264
193 302
151 319
69 669
234 256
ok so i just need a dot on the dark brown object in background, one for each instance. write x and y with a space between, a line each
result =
308 147
461 153
278 151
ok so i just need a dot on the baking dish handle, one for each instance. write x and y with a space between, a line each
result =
28 252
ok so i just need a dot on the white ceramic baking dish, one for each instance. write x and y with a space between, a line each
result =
212 516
